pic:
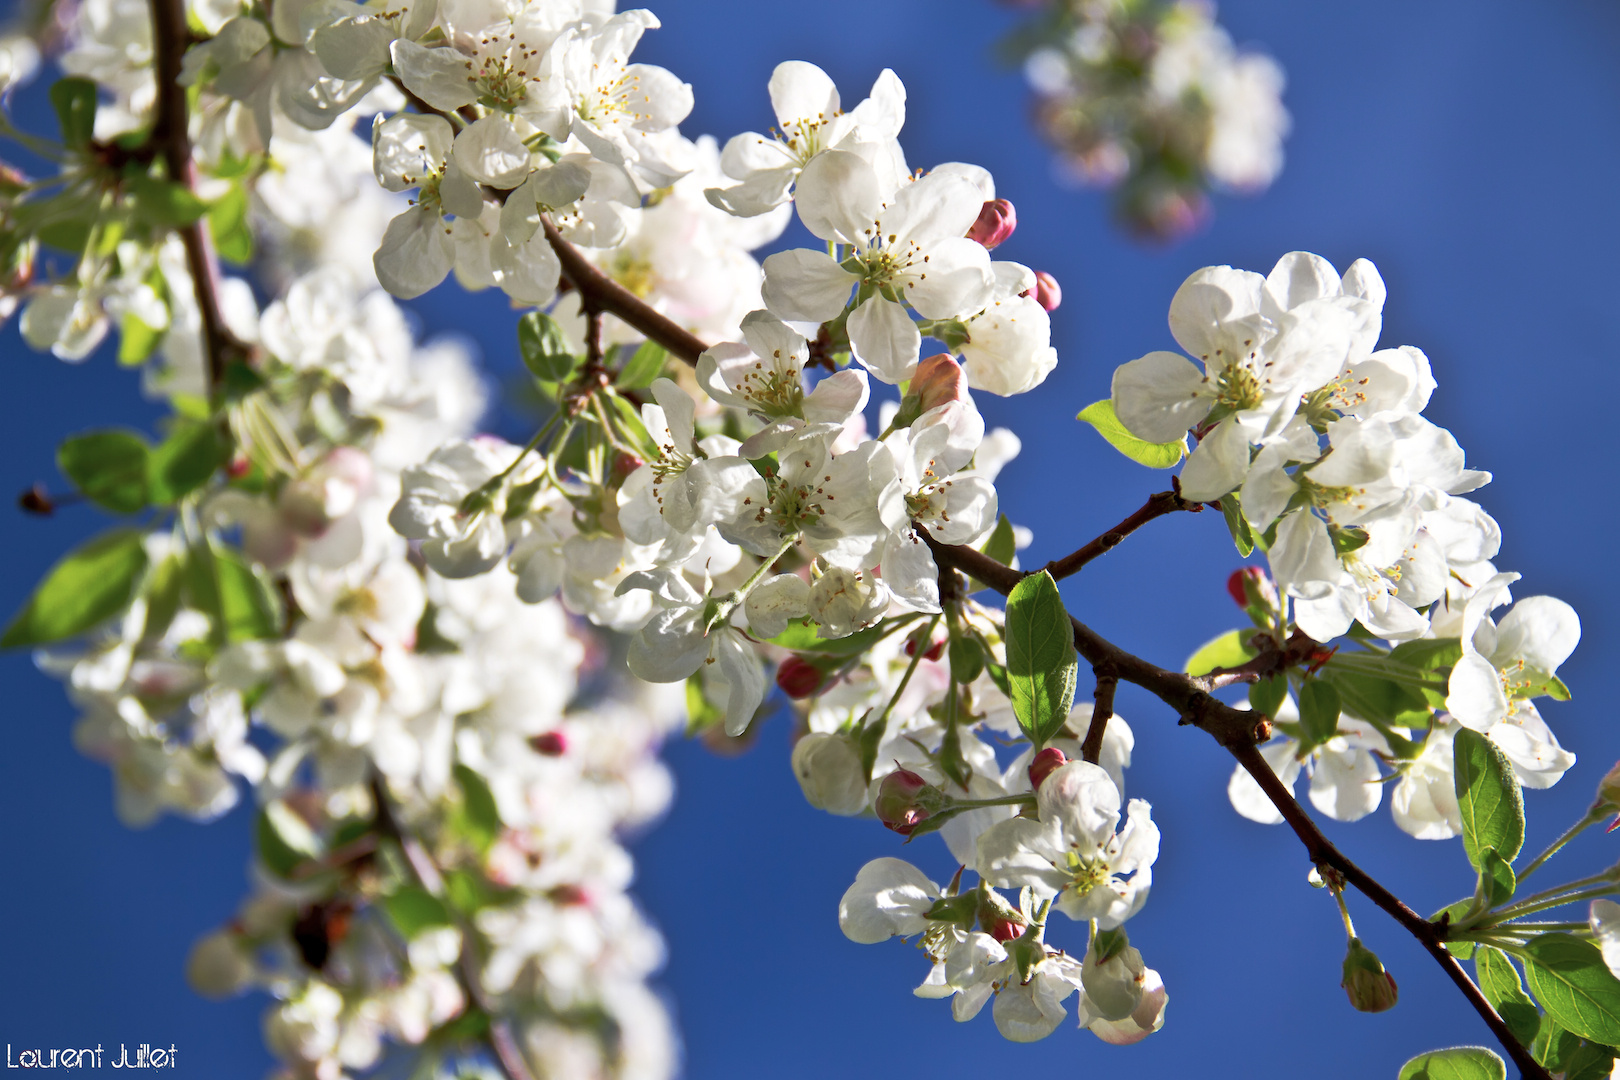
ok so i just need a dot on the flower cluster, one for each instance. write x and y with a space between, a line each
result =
1152 99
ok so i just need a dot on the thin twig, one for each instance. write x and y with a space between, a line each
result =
501 1040
170 39
1157 506
1101 713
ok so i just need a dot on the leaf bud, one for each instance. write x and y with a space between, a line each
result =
798 678
899 802
828 768
996 222
1370 987
1045 764
550 743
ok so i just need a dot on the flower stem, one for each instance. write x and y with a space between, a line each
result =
1592 818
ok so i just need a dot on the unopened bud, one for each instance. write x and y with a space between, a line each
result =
625 463
1370 987
1046 291
936 647
997 220
550 743
1249 586
799 678
568 895
1608 792
36 500
239 467
899 801
998 918
938 381
1045 764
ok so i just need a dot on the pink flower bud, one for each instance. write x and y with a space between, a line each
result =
568 895
239 467
550 743
624 464
1250 585
799 678
936 647
1370 987
938 381
997 220
1046 291
1045 764
898 803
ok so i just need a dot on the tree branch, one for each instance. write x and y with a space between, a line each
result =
1157 506
171 135
1237 730
501 1040
1101 713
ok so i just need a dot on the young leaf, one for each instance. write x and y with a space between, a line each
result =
1500 982
247 606
185 460
1457 1063
544 347
109 467
1488 797
1100 415
413 909
1554 1046
228 225
91 583
1230 650
1569 978
1236 524
701 713
284 839
1427 654
1590 1062
479 816
136 341
1041 663
75 104
1002 545
1319 709
1267 695
643 367
801 637
165 201
1496 878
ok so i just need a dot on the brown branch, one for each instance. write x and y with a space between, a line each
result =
1101 713
1240 733
1157 506
514 1066
170 39
1238 730
596 288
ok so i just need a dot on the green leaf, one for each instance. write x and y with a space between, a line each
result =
1100 415
1319 708
165 201
1488 797
631 426
75 103
228 225
967 658
1554 1046
136 341
1496 879
90 584
109 467
701 713
162 592
1236 524
1569 978
544 348
479 816
1460 949
247 605
1230 650
1377 700
414 909
186 460
800 636
1589 1062
1457 1063
1267 695
644 366
1041 662
285 840
1002 545
1500 982
1427 654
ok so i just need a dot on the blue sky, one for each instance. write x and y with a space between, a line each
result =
1469 149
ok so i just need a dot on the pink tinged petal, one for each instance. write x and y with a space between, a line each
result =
802 91
837 397
838 198
415 255
884 339
440 77
1160 396
888 899
806 286
955 281
1540 630
1474 693
1246 796
1218 464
